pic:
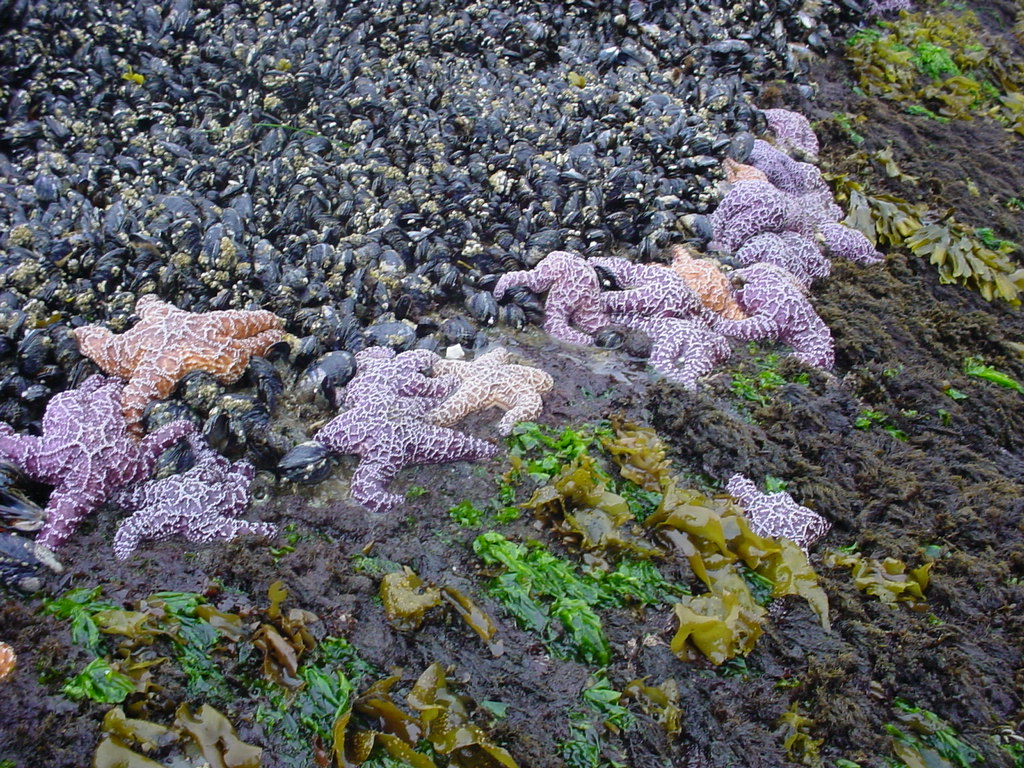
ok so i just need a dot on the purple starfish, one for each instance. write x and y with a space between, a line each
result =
682 350
649 290
848 243
775 515
792 131
201 504
778 309
86 452
789 175
797 254
752 208
572 299
384 426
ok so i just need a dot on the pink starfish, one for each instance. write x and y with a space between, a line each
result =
789 175
682 350
848 243
776 515
572 300
649 290
797 254
86 452
778 309
792 131
201 504
752 208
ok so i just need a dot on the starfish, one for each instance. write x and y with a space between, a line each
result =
706 279
492 380
797 254
752 208
8 660
682 350
649 290
789 175
778 309
168 343
775 515
86 452
735 171
572 300
792 131
201 504
384 426
849 243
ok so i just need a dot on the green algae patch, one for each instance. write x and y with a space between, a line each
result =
888 579
921 739
589 729
719 626
974 366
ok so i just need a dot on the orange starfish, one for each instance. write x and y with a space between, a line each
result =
168 343
708 281
739 172
7 661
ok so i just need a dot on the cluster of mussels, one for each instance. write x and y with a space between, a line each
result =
352 167
778 220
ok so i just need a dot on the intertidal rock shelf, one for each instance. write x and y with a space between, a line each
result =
393 232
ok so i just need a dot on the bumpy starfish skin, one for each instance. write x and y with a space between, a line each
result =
168 343
741 172
682 350
792 131
789 175
8 659
649 290
572 300
793 252
706 279
385 428
752 208
776 515
492 380
849 243
778 309
201 504
86 452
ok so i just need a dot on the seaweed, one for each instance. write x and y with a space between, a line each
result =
974 366
888 580
799 745
921 739
586 744
658 701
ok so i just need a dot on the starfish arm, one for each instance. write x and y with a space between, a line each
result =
148 383
67 507
450 412
535 279
158 441
369 482
136 495
213 528
345 432
752 328
258 344
241 324
440 445
527 408
111 353
149 307
557 325
19 449
425 386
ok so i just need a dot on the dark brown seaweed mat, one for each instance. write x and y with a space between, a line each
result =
956 484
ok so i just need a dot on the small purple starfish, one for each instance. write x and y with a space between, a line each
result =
86 452
789 175
792 131
649 290
572 299
384 425
797 254
201 504
682 350
775 515
751 208
778 309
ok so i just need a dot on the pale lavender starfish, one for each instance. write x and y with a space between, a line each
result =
682 350
201 504
86 452
649 290
752 208
789 175
778 309
384 426
794 252
792 131
848 243
381 374
573 289
775 515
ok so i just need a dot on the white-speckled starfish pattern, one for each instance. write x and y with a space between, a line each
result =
572 299
778 309
792 131
776 515
682 350
200 505
85 452
792 251
649 290
491 380
706 278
